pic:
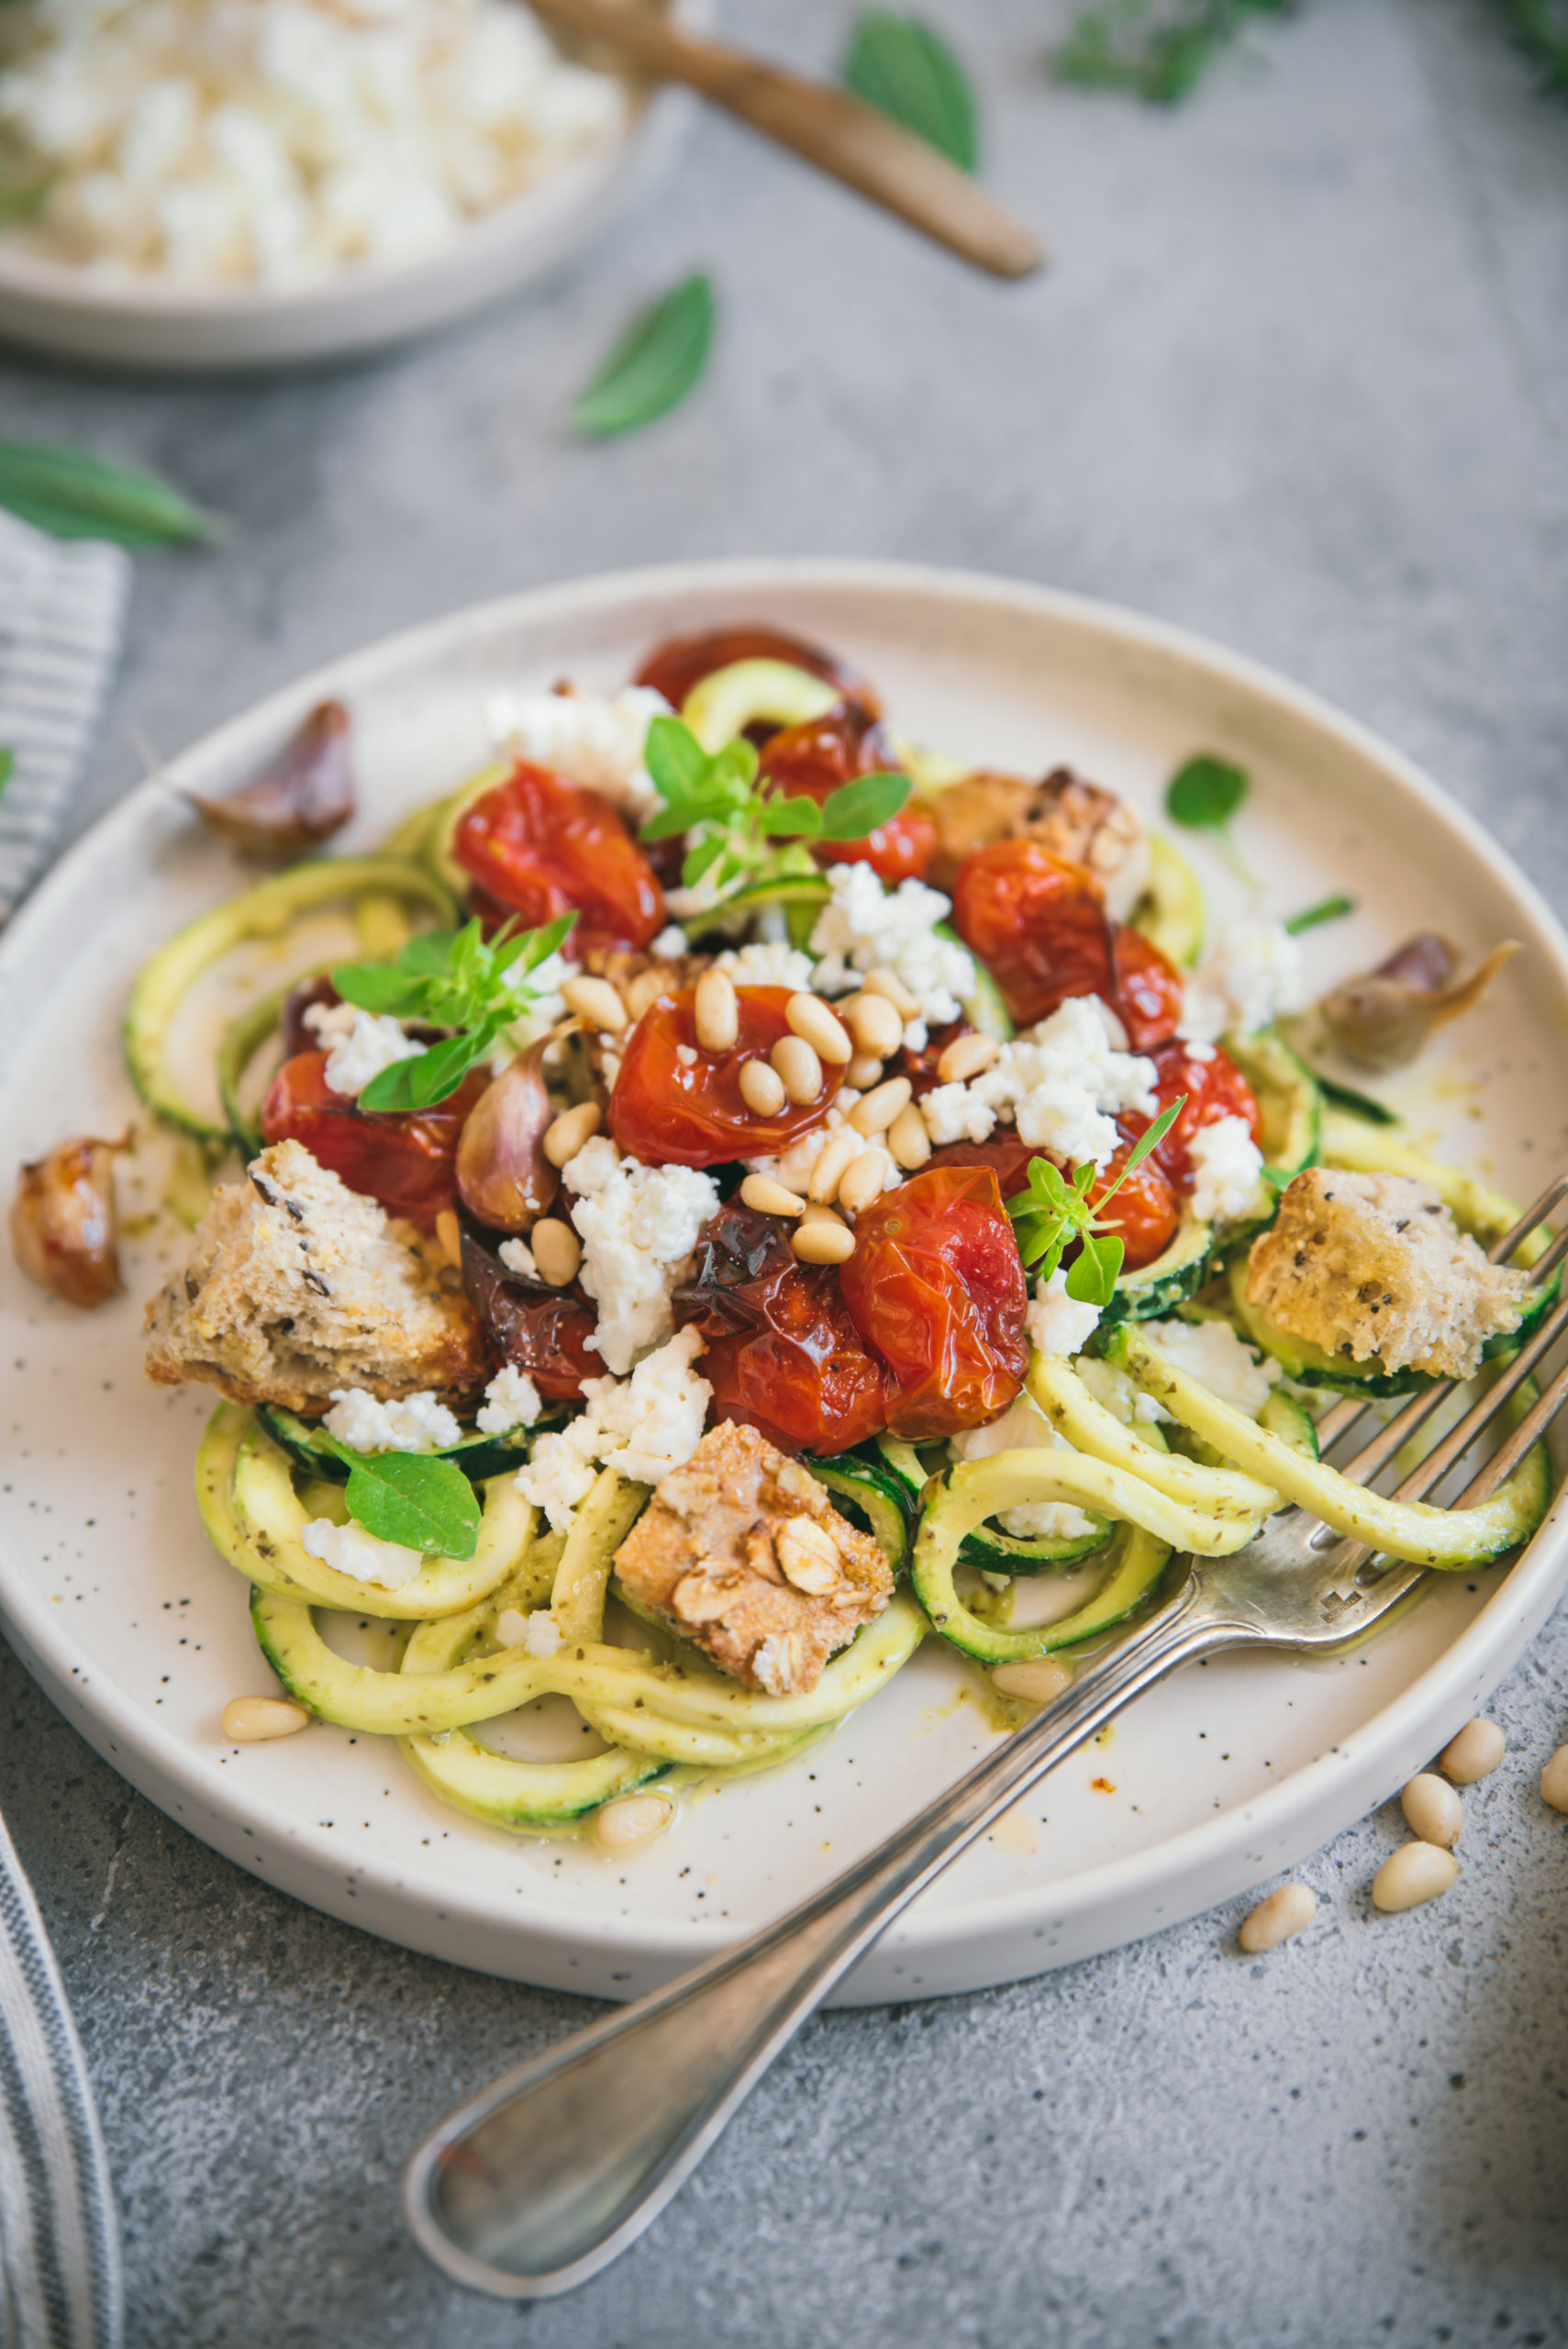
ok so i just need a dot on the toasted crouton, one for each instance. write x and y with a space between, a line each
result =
742 1552
1372 1267
296 1285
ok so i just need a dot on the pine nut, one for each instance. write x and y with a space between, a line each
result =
828 1036
907 1138
818 1211
798 1065
761 1089
1473 1754
965 1057
833 1160
876 1111
1432 1810
558 1252
596 1001
1276 1920
808 1555
823 1243
565 1137
448 1236
622 1825
1554 1780
1415 1873
887 983
873 1023
251 1720
865 1180
864 1072
760 1191
1035 1682
717 1012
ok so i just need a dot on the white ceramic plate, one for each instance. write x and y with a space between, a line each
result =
1229 1772
51 306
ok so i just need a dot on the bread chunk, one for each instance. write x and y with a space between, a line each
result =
296 1285
1372 1267
742 1552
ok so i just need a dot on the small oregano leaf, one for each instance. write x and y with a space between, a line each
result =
861 807
414 1499
1206 793
653 365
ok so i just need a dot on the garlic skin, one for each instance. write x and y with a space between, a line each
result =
503 1175
1384 1019
64 1223
299 799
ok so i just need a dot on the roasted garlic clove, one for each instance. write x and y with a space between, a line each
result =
65 1228
503 1175
1382 1020
297 801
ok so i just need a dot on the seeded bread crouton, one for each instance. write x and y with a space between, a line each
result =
742 1552
1372 1267
296 1285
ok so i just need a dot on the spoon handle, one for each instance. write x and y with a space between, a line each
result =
838 132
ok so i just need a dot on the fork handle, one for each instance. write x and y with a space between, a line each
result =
542 2179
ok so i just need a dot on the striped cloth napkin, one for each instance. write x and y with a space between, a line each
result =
61 613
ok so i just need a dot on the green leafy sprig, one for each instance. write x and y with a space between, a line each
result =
1157 53
7 760
652 366
1327 909
909 73
415 1499
1203 795
449 978
1052 1210
741 833
74 496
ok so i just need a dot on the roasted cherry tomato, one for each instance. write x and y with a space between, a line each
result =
1215 1088
538 1328
814 759
541 847
1143 1211
782 1353
681 662
692 1111
409 1163
935 1287
1039 926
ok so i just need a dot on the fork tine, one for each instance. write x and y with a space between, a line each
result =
1485 1410
1507 1458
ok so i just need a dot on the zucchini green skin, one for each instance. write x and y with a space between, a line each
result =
872 1497
1291 1422
430 829
260 911
1135 1561
800 894
748 693
1353 1104
1308 1366
1174 1276
528 1798
982 1007
479 1456
1171 912
1288 1095
242 1040
995 1552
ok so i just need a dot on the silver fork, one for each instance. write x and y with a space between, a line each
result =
538 2182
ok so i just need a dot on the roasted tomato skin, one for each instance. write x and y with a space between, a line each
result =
543 847
782 1352
538 1328
409 1163
1040 928
1215 1088
1144 1211
681 662
1146 988
814 759
692 1113
935 1287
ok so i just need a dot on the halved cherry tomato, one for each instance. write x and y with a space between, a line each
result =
542 846
1146 988
538 1328
1143 1211
935 1287
409 1163
1039 926
782 1353
692 1111
681 662
814 759
1215 1088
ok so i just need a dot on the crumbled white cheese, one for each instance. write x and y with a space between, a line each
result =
864 926
350 1550
519 1257
1211 1353
1227 1164
1063 1083
326 1021
956 1113
638 1225
539 1633
1056 1322
511 1401
371 1044
1250 975
671 942
687 1055
1116 1391
593 740
643 1426
767 962
417 1423
1023 1427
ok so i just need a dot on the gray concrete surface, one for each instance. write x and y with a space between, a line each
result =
1300 379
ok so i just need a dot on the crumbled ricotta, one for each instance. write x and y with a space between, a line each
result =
350 1550
864 926
1063 1083
593 740
371 1044
643 1426
1023 1427
418 1423
1252 973
1211 1353
511 1401
1056 1323
1227 1165
538 1633
638 1225
767 962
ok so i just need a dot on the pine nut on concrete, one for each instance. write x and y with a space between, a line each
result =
836 1156
887 983
965 1057
823 1243
596 1001
828 1036
864 1072
557 1251
565 1137
760 1191
907 1138
761 1089
874 1024
622 1825
1554 1780
876 1111
1276 1920
1473 1754
863 1181
799 1067
1033 1682
717 1012
251 1720
1432 1810
1415 1873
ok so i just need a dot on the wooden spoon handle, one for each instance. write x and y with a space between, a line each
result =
838 132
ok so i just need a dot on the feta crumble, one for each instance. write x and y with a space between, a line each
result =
1227 1165
350 1550
671 942
638 1225
538 1633
417 1423
593 740
1063 1083
643 1426
1211 1353
767 962
864 926
511 1401
1056 1323
1023 1427
519 1257
1252 973
371 1044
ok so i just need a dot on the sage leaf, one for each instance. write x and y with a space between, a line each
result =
907 72
654 365
414 1499
74 496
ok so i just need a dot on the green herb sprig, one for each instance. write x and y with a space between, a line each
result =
736 828
1051 1210
415 1499
449 978
1159 53
1203 795
1327 909
74 496
652 366
7 761
909 73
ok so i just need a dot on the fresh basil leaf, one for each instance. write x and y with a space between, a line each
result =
907 72
1326 909
537 946
676 758
652 367
701 859
792 819
390 1091
1092 1276
436 1075
74 496
429 953
380 987
413 1498
734 771
1206 793
861 807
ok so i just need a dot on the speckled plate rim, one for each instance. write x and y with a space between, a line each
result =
1021 1932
